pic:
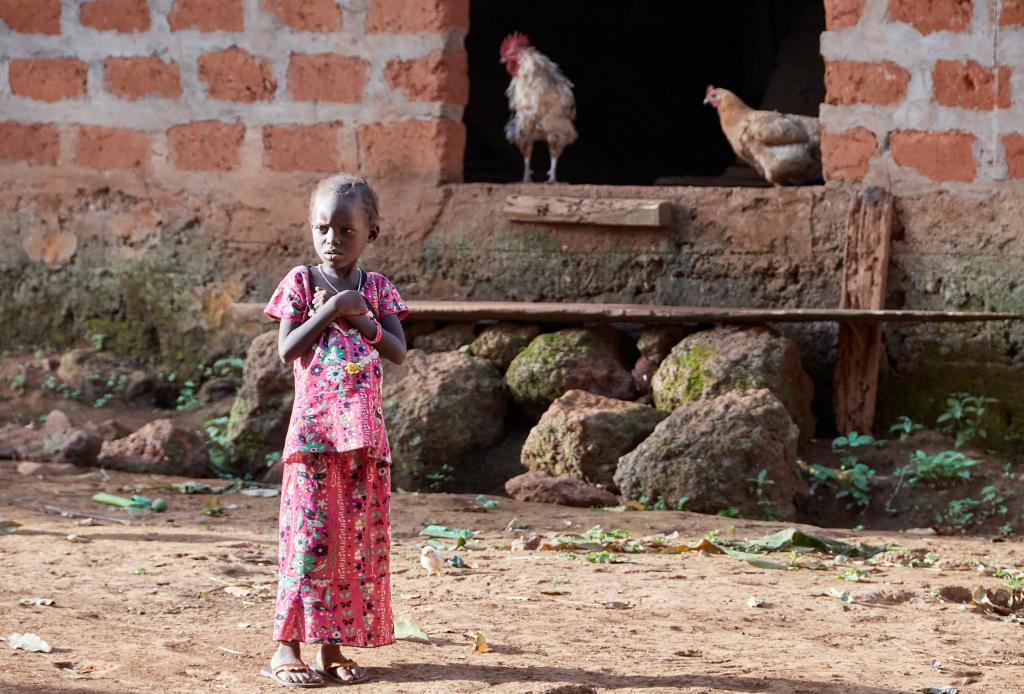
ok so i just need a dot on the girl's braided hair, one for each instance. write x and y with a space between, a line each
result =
345 185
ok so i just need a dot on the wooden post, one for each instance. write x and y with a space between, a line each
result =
859 349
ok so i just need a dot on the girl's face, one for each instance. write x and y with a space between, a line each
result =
341 231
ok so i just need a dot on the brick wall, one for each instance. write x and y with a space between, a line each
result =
924 94
246 100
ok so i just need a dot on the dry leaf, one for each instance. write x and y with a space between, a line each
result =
28 642
239 591
754 602
479 641
37 602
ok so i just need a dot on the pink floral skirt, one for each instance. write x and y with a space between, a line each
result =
334 583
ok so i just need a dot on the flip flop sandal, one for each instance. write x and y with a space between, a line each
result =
274 674
325 671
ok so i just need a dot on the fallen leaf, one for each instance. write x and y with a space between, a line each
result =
28 642
407 631
479 641
754 602
259 491
8 526
617 605
840 595
552 591
78 539
239 591
37 602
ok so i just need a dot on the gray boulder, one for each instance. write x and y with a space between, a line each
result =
161 447
259 418
500 343
712 362
583 435
710 450
440 408
590 359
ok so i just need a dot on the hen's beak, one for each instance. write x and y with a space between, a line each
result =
503 61
707 100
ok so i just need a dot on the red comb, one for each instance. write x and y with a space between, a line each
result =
710 89
514 41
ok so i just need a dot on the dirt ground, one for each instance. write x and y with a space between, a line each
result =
182 602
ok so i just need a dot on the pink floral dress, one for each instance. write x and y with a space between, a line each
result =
335 531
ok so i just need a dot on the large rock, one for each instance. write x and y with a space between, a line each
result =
161 447
589 359
583 435
568 491
447 339
440 408
654 345
712 362
259 418
709 450
501 342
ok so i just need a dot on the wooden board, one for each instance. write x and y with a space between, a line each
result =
859 346
652 314
628 212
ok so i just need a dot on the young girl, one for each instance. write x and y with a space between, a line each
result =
336 322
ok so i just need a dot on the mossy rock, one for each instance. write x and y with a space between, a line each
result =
712 362
502 342
590 359
711 451
259 417
583 435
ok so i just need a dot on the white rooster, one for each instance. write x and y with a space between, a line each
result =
541 100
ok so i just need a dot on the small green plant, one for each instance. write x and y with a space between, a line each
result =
853 574
103 400
217 446
18 382
658 504
273 458
711 535
761 483
1006 529
212 509
140 571
959 513
63 389
943 468
227 366
187 399
1014 578
905 427
962 417
730 512
853 483
994 499
441 477
99 341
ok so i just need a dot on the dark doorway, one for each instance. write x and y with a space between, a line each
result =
640 70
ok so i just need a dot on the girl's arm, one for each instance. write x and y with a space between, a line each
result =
295 339
392 338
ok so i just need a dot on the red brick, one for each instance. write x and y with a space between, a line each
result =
31 16
1013 143
1004 90
928 16
302 147
327 77
841 14
112 148
848 82
125 16
36 143
440 76
412 147
941 156
48 79
306 15
966 84
234 74
846 156
206 145
207 15
137 77
1012 12
412 16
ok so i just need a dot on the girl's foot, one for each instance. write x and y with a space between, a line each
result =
334 666
288 654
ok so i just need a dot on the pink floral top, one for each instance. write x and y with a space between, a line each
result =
338 381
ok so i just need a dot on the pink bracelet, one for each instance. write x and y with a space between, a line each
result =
380 330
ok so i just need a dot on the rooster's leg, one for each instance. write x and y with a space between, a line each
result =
527 151
551 171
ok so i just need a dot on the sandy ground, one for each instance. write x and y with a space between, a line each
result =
144 607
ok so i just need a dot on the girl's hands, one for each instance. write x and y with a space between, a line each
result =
346 303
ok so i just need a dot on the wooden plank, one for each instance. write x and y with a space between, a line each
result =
859 346
628 212
653 314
